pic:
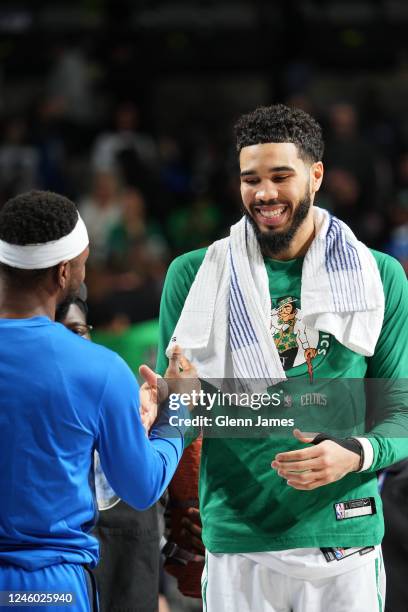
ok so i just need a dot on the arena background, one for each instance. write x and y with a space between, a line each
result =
128 107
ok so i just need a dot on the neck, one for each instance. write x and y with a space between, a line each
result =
18 304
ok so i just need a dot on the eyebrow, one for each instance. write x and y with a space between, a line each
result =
274 169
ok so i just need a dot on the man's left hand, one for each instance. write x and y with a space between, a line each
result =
315 466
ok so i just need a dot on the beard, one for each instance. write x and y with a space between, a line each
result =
273 242
72 292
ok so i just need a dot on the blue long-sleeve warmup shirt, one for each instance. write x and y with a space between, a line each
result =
60 398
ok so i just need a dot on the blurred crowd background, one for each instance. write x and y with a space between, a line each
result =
128 108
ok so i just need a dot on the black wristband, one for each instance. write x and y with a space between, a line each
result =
350 444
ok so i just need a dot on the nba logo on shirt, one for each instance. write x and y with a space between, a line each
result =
340 513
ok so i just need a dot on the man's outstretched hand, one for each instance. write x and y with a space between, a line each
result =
315 466
153 392
180 377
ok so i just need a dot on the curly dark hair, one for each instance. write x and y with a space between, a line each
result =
36 217
279 123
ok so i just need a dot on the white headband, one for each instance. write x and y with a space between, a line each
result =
47 254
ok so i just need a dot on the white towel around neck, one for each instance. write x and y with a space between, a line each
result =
224 327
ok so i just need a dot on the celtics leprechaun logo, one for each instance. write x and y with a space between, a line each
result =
296 343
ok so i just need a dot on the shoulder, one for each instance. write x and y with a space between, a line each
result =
86 355
395 286
192 259
386 263
186 265
391 271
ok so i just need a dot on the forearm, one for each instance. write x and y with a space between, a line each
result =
139 468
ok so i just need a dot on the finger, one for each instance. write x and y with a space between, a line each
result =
150 391
154 382
145 388
188 367
303 436
198 545
194 514
174 362
192 542
297 466
193 528
300 455
305 478
146 396
310 486
185 364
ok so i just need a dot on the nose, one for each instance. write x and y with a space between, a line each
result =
266 192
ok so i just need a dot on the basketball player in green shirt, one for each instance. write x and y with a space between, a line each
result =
290 525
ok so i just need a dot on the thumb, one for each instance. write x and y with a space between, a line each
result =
148 375
173 370
304 436
155 381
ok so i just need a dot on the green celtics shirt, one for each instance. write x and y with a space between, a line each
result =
245 506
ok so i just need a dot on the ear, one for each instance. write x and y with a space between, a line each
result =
63 274
316 176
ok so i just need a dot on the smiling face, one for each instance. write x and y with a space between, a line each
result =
278 189
286 312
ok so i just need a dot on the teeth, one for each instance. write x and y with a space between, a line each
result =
269 214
